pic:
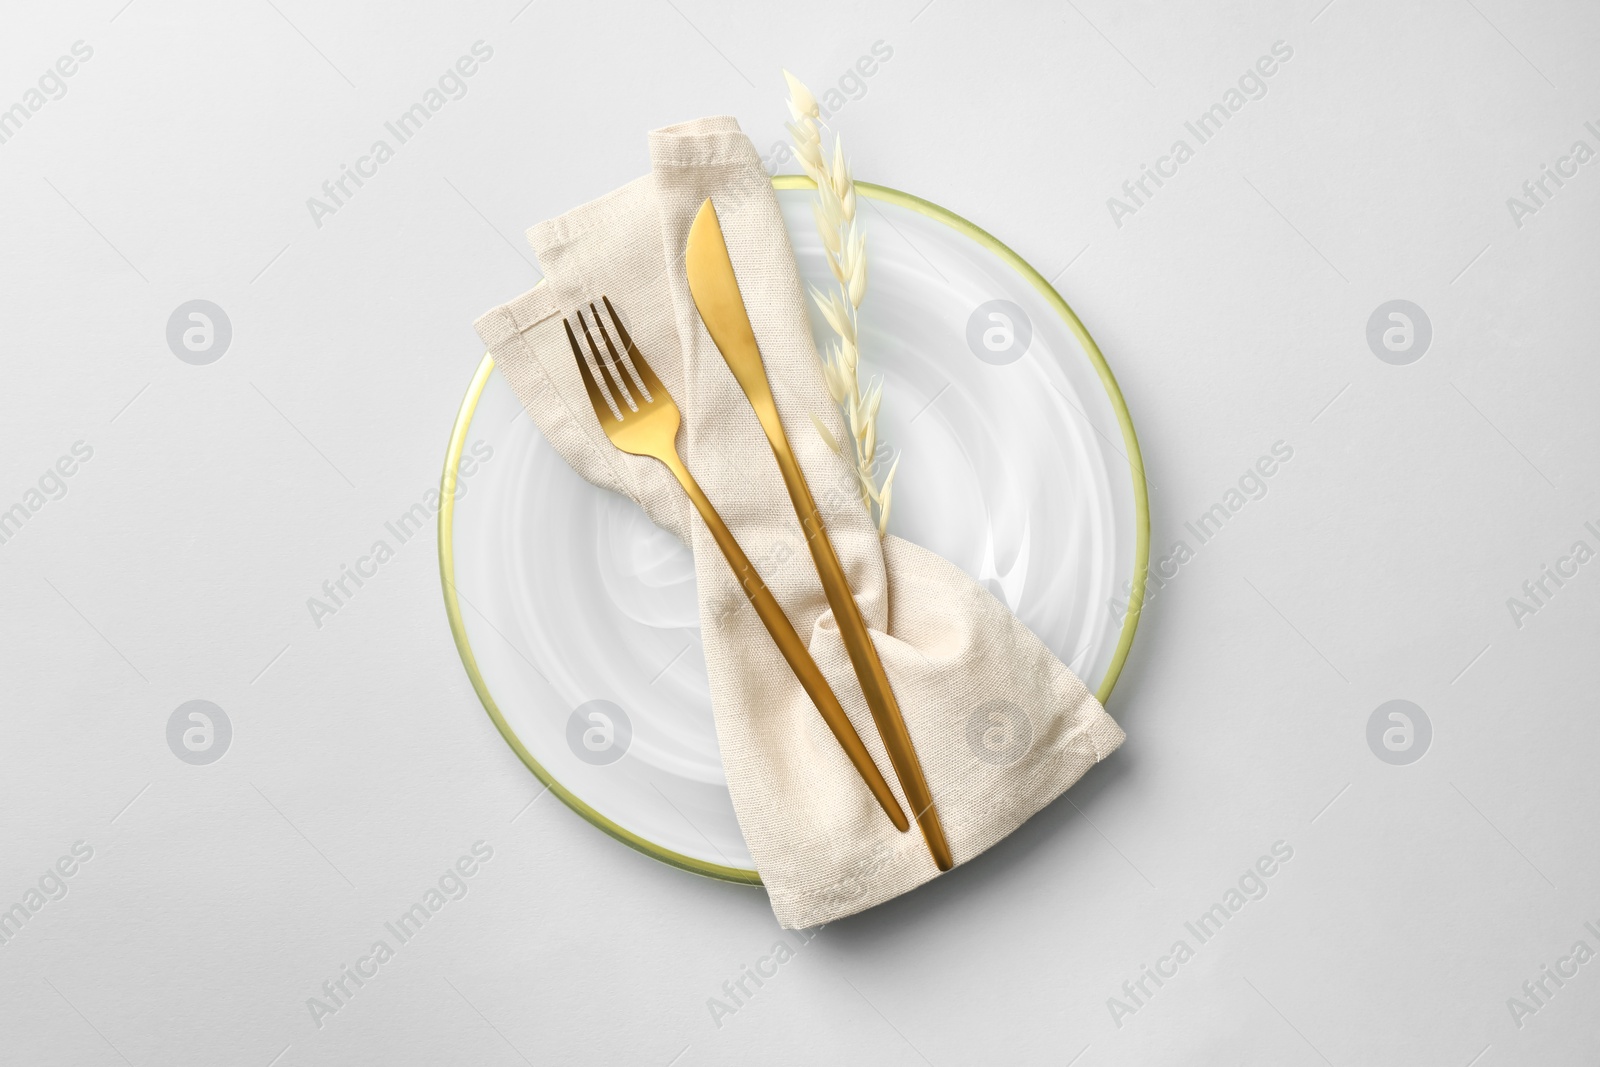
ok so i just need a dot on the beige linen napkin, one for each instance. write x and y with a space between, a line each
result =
1001 726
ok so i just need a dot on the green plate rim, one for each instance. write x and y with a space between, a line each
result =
458 439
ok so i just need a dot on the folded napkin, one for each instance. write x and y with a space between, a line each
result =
960 663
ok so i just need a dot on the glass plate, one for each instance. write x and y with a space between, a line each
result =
576 616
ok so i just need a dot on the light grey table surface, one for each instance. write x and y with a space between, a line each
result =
207 503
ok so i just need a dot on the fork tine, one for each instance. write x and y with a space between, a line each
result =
603 404
650 385
627 358
613 378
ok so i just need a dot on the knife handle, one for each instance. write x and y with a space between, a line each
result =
857 640
794 650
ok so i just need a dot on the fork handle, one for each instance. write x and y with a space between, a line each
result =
789 644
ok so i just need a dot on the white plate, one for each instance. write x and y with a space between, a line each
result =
576 616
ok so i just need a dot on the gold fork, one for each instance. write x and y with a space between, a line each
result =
645 423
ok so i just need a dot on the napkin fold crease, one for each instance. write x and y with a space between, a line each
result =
1001 726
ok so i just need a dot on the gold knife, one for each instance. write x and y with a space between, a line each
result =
716 294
